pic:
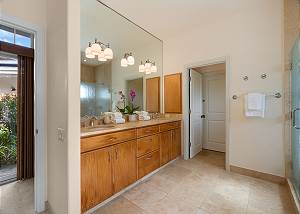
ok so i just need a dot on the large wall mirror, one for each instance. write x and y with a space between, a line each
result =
102 81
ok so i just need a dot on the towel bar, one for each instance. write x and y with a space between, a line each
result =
276 95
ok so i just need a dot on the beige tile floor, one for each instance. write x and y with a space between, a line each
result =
197 186
17 198
201 186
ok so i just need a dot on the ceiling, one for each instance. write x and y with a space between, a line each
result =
211 68
169 17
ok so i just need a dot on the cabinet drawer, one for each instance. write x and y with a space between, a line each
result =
147 144
148 163
146 131
169 126
96 142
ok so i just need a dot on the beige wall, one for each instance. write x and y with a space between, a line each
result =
291 32
252 38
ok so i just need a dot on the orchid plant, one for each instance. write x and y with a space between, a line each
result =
130 108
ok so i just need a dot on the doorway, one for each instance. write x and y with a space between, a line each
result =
17 137
208 108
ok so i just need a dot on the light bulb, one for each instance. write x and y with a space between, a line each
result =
88 53
108 53
148 71
130 60
96 49
142 68
124 62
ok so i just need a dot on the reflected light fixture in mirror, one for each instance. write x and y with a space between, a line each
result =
104 52
149 67
128 59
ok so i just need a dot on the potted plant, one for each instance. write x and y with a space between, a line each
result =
131 108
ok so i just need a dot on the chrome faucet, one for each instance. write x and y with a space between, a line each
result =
92 121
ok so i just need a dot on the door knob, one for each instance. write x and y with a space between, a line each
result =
203 116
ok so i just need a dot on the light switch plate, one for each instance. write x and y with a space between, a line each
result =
60 135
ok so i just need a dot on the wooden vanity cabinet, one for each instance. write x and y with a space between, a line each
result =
165 147
96 177
111 162
106 171
124 165
170 142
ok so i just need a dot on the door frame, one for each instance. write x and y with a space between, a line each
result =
186 107
40 108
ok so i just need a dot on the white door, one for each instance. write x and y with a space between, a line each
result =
214 95
196 108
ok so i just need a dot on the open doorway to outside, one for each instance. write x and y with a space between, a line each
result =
8 117
207 115
16 120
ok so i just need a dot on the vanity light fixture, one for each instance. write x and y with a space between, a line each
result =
99 49
128 59
148 68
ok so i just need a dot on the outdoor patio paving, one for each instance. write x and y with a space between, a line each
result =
8 173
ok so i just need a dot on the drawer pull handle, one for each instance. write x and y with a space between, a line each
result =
112 139
148 158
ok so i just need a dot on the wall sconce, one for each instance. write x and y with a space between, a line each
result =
128 59
100 50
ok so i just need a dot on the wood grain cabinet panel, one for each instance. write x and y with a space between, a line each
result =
173 93
96 142
165 147
146 145
146 131
176 143
169 126
124 165
148 163
153 94
96 177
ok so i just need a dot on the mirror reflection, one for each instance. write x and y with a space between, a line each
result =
118 61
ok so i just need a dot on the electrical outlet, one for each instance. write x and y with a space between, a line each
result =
60 135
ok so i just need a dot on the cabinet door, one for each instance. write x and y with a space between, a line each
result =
176 143
165 147
124 165
173 93
96 177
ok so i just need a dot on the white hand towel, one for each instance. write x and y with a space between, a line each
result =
119 120
255 105
117 115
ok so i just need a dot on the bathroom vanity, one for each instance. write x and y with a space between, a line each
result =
114 158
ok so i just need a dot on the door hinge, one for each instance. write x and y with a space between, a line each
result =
36 131
190 79
190 144
190 111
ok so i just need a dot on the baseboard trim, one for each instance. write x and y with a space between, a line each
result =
92 210
294 199
256 174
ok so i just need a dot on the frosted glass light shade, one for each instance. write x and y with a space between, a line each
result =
108 53
153 69
101 58
88 53
96 49
148 71
124 62
148 65
141 68
130 60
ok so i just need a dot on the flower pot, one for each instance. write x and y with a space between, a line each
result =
132 117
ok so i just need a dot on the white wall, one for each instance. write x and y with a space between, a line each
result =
31 14
252 38
63 66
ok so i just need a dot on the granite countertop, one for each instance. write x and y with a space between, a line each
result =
129 125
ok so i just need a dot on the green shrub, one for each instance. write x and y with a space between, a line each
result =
8 129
